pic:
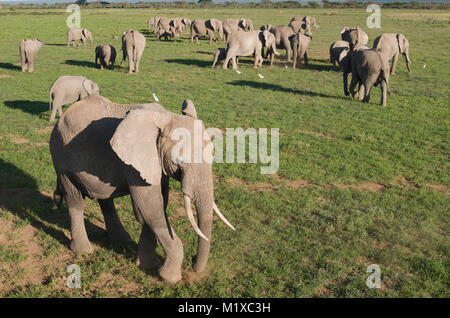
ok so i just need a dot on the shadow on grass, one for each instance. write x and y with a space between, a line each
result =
274 87
9 66
56 44
81 63
199 63
19 194
27 106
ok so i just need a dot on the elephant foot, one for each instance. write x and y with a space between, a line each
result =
81 246
355 96
170 275
148 261
347 93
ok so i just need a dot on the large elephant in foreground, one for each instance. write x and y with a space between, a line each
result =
78 34
133 45
103 150
69 89
206 27
354 36
242 43
28 50
369 68
391 45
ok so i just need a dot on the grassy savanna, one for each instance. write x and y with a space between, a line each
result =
358 184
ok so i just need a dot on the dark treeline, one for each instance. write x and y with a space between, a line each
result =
260 4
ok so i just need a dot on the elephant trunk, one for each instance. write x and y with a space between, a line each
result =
220 32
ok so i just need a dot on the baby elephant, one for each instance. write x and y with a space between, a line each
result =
336 48
219 55
78 34
69 89
300 44
369 68
28 50
106 54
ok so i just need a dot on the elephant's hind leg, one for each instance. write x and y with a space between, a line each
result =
75 203
114 227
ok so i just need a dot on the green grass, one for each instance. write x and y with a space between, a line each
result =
291 241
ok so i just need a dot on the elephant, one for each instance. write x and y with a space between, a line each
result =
233 25
369 68
283 38
303 24
243 43
177 26
336 48
106 54
220 55
78 34
186 22
391 45
152 23
206 27
28 50
133 45
354 36
345 64
300 43
164 29
69 89
103 150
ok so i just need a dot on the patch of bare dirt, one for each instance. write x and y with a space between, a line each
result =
279 182
440 188
45 130
307 132
371 186
5 76
115 285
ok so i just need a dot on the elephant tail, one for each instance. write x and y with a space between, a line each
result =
57 195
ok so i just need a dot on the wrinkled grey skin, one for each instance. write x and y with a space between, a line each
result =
69 89
345 64
103 150
78 34
164 29
391 45
303 24
28 50
283 38
300 43
355 37
369 68
336 48
106 54
243 43
220 55
206 27
133 45
234 25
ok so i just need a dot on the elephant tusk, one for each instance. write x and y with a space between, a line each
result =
187 207
220 215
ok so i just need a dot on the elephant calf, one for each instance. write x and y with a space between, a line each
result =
78 34
300 44
106 54
369 68
336 48
69 89
219 55
206 27
28 50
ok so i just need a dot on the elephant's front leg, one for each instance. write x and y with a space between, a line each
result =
114 227
148 203
394 63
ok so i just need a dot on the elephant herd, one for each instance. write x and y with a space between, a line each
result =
104 150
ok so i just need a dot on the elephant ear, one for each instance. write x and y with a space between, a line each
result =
135 142
188 108
243 22
88 86
401 42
